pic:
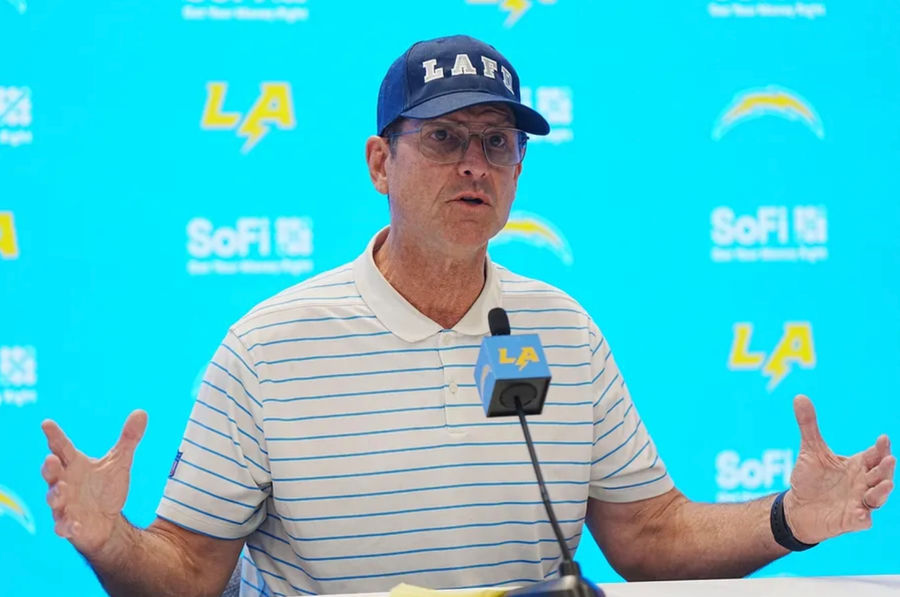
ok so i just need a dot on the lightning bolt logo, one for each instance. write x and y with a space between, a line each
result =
536 231
515 8
769 101
254 131
13 506
274 106
795 347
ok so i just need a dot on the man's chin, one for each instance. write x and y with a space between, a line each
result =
468 237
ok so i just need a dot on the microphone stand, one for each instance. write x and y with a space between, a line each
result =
570 582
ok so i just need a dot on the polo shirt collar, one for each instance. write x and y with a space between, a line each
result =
404 320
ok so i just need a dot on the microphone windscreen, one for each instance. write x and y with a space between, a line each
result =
498 322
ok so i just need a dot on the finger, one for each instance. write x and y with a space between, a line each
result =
810 437
56 497
52 469
875 454
883 470
58 442
132 432
59 514
877 496
74 529
63 528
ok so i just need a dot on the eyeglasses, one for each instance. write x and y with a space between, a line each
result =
446 142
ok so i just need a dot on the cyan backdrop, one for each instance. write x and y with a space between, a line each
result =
720 190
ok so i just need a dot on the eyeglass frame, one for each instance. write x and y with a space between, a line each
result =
522 140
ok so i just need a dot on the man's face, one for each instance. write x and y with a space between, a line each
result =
451 207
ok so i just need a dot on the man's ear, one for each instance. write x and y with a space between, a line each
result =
377 153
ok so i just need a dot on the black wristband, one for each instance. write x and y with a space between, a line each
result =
780 529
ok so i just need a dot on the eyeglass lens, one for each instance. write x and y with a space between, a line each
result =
446 143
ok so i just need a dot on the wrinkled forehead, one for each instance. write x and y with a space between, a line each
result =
490 113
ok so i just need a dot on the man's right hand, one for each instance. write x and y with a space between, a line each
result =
86 494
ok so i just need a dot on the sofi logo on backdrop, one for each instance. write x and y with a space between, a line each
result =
273 107
250 245
740 479
748 9
18 375
794 348
270 11
772 233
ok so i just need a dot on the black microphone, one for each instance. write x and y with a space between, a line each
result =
512 377
498 322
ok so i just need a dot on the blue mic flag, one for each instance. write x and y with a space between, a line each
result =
511 367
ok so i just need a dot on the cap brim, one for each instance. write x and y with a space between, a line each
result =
527 119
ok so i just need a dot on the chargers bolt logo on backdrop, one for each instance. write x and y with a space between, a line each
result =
537 232
794 348
15 116
768 101
773 233
9 244
13 506
273 107
514 8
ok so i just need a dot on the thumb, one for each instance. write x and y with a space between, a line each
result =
805 412
132 432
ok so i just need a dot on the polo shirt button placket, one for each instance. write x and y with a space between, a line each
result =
452 412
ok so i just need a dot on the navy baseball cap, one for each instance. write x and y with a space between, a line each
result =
442 75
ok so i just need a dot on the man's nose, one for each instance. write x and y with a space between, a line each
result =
474 162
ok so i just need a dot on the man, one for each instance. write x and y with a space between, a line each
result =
339 435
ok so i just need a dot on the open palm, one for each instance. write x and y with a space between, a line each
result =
832 494
87 494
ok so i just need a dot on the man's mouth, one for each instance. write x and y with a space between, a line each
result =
472 200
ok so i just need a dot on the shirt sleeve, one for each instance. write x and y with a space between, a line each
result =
625 465
220 479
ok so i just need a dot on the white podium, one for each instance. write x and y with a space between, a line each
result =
822 586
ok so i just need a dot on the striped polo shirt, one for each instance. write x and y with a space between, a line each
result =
340 432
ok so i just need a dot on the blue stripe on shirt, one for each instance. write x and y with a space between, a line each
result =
354 374
603 394
306 320
617 448
318 339
420 489
243 362
238 380
425 509
425 468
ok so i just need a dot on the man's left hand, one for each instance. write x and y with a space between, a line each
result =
832 494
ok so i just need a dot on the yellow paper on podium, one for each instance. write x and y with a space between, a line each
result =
405 590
